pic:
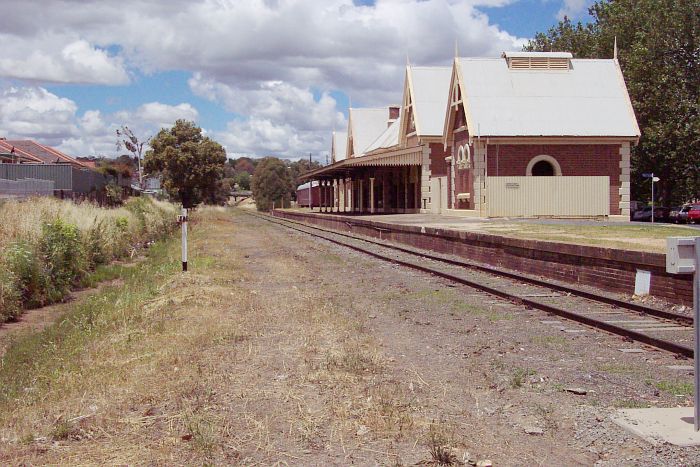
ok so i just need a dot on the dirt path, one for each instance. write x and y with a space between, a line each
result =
280 349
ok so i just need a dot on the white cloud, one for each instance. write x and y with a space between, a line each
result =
163 115
572 8
46 59
274 63
35 113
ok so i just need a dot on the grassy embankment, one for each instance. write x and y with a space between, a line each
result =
108 364
50 246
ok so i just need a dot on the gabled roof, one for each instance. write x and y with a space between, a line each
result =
588 99
364 126
8 148
39 152
388 139
429 93
339 146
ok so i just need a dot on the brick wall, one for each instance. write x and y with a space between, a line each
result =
438 166
604 268
575 160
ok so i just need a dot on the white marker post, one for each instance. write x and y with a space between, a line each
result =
183 222
683 257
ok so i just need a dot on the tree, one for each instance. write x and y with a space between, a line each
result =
191 165
242 179
658 44
128 140
272 183
244 164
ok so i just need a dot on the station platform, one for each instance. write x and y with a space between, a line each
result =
601 254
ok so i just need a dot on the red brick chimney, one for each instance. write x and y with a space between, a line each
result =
394 112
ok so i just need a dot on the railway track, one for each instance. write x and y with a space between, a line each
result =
662 329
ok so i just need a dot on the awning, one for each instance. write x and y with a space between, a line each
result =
395 158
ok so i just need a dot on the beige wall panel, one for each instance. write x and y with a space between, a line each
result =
548 196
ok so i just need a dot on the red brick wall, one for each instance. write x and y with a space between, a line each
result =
604 268
438 166
575 160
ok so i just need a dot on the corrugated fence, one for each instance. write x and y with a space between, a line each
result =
26 187
548 196
65 177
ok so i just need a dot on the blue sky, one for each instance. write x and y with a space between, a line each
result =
245 71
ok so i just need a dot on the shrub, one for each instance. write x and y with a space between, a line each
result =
10 298
113 194
40 262
29 279
62 257
96 249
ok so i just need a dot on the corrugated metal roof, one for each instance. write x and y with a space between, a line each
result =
365 126
339 146
389 138
306 185
590 99
430 92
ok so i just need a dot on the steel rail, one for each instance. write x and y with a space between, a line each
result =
586 320
669 315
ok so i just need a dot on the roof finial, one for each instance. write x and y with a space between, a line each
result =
349 102
408 62
615 49
456 48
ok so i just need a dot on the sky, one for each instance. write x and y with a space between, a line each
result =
261 77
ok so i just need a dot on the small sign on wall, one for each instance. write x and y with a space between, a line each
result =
513 186
642 283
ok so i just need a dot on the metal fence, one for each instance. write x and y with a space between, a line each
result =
25 187
65 177
548 196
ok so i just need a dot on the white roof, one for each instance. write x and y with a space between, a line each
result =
590 99
366 125
430 91
306 185
389 138
339 146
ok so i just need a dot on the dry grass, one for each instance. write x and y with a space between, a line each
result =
624 236
231 362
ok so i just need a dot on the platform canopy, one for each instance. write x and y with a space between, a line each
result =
397 158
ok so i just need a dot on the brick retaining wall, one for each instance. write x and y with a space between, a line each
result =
606 268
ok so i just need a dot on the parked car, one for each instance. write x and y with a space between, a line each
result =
661 214
642 214
679 215
694 214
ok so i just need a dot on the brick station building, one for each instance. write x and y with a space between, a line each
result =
524 134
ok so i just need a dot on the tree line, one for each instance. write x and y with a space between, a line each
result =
194 169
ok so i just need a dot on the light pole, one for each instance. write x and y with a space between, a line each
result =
653 180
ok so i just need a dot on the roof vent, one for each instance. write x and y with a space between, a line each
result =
538 60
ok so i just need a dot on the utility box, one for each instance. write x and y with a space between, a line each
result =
680 255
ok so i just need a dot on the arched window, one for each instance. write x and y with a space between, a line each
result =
543 166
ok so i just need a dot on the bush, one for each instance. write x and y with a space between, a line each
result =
10 299
26 268
40 262
62 256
